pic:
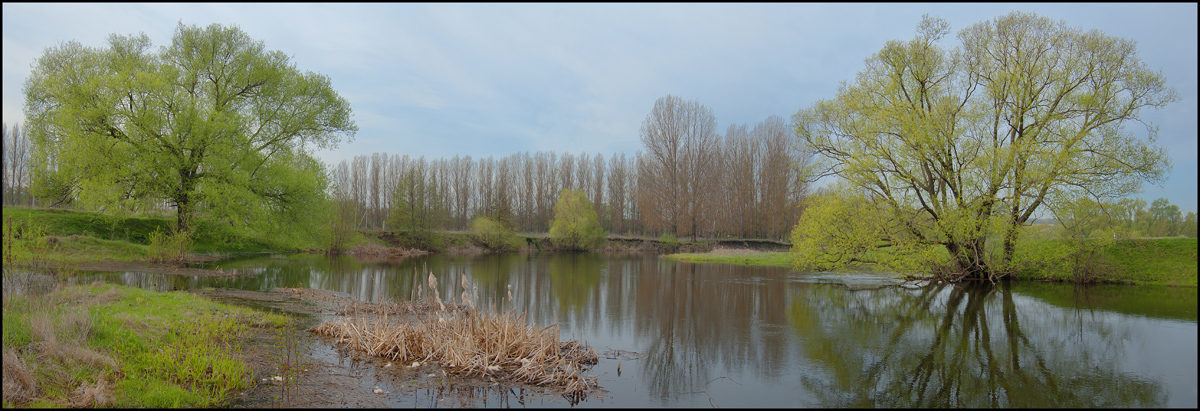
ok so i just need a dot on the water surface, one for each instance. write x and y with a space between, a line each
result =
735 336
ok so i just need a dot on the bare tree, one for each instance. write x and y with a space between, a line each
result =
566 172
16 166
778 164
462 178
528 192
596 189
547 187
676 171
375 174
617 190
741 158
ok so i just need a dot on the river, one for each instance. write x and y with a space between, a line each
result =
702 335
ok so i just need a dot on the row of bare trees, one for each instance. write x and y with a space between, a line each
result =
519 189
689 181
695 182
16 165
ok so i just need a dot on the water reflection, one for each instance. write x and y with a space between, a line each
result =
726 335
961 346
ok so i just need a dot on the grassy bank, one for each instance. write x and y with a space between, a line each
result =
76 236
103 345
1159 261
756 258
1166 261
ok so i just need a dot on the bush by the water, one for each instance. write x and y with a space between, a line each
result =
575 225
493 235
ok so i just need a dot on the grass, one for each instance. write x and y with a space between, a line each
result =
1161 261
753 258
78 236
103 345
1165 261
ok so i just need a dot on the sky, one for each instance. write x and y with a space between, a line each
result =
439 80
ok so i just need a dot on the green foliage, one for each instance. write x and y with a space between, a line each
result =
953 147
493 235
172 246
841 228
417 210
575 225
288 354
213 124
1046 255
341 226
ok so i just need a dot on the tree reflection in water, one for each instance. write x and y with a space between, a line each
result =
770 337
957 346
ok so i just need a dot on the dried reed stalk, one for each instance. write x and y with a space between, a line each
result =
474 343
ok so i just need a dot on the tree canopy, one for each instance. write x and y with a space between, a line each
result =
575 225
213 123
962 146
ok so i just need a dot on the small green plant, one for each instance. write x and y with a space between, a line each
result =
493 235
172 247
289 361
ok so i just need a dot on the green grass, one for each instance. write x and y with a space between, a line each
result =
1167 261
89 236
115 346
764 258
1164 261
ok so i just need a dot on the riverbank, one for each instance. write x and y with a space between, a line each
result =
104 345
1157 261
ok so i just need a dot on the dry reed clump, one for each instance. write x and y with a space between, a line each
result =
19 384
474 344
60 327
466 341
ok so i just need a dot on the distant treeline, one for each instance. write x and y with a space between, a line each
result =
689 181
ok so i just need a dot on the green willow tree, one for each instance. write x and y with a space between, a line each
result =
575 225
962 146
213 123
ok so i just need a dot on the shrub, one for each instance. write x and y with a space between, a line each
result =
494 236
170 247
575 226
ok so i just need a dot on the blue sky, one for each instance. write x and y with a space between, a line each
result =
439 80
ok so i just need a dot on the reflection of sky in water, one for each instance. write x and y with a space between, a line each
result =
725 335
